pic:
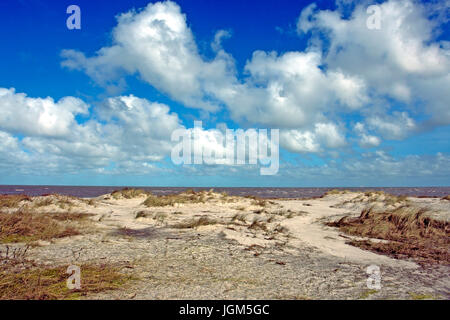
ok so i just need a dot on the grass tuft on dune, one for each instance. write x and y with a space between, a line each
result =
129 193
410 232
50 283
13 201
23 226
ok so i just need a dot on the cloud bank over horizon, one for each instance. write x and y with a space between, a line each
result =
344 104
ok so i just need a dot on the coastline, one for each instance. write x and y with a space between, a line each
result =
263 192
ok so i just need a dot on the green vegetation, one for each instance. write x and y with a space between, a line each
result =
421 296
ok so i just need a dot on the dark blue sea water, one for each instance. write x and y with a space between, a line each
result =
89 191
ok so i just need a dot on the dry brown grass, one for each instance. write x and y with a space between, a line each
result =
258 224
13 201
335 192
90 202
194 223
129 193
384 197
49 283
27 227
447 197
24 202
43 202
62 201
260 202
161 201
411 233
171 199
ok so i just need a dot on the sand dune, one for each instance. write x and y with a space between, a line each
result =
208 245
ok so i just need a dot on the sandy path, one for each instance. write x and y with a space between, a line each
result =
311 230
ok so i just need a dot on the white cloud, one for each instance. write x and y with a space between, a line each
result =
310 141
402 60
292 91
299 141
10 151
216 45
39 116
131 130
394 127
140 128
381 164
157 44
371 72
374 168
281 91
366 140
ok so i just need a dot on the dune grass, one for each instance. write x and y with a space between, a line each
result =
370 197
410 231
172 199
13 201
50 283
25 226
62 201
28 203
335 192
195 222
129 193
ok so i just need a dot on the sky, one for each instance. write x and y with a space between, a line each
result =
360 97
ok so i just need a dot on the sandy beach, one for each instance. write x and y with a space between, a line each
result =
208 245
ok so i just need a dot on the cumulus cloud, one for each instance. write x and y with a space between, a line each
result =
393 127
140 128
281 91
128 130
10 152
292 91
124 134
39 116
354 70
157 44
401 62
324 134
388 79
366 140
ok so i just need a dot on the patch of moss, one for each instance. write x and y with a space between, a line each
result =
367 293
421 296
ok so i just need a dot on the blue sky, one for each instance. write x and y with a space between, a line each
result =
355 106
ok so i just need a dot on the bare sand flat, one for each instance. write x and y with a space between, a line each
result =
208 245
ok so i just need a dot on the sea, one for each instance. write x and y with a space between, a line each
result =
262 192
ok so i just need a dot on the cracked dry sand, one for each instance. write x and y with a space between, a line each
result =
281 250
